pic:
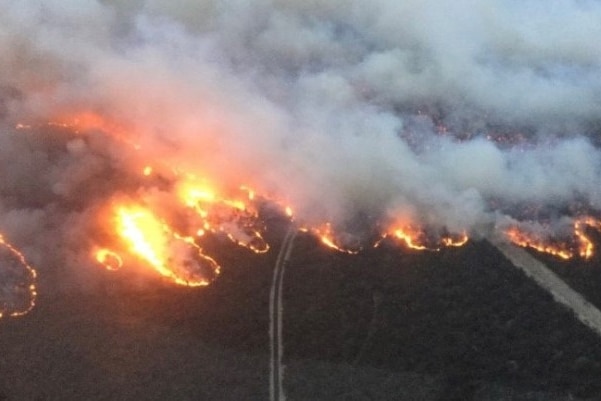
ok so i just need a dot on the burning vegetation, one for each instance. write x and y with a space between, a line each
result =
17 282
574 244
167 212
163 126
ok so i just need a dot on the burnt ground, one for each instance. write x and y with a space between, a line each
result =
388 324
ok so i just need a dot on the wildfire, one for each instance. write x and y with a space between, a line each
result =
326 235
586 248
236 217
233 214
417 239
207 208
175 257
527 240
150 238
410 236
18 290
580 244
456 241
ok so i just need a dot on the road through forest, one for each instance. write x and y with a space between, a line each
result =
276 370
561 292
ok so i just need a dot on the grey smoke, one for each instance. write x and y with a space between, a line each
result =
455 113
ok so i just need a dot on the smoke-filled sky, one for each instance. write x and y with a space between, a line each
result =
457 114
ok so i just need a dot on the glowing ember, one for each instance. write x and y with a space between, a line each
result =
17 285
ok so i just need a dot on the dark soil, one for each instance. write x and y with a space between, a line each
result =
458 324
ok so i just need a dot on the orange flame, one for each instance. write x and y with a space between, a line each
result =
234 217
173 256
526 240
415 238
109 259
582 245
326 235
209 209
586 247
410 237
455 241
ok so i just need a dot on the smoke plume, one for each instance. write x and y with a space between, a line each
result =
457 115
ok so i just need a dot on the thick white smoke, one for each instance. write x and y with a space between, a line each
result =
458 114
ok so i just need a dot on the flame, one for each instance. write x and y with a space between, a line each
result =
586 248
327 237
25 286
457 241
173 256
416 238
410 236
200 208
109 259
288 211
235 217
152 240
529 240
251 192
233 214
580 244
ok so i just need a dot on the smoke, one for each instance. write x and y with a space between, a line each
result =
460 115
